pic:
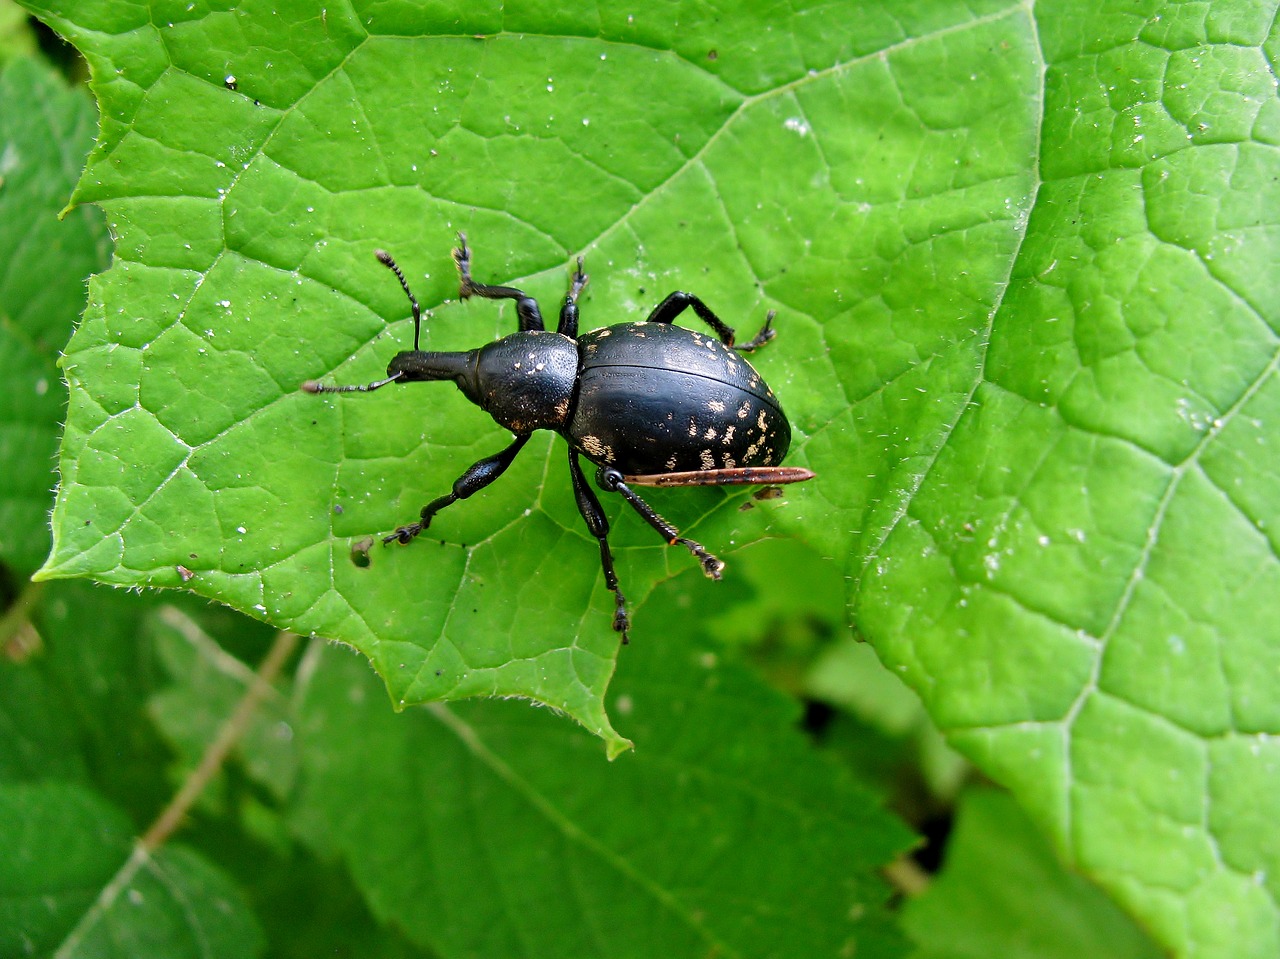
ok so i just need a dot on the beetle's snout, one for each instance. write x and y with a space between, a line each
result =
425 365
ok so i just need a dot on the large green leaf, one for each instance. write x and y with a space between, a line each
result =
1081 577
1003 893
69 878
82 771
1022 257
246 218
45 131
485 829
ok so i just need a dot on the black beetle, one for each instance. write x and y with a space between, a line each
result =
650 404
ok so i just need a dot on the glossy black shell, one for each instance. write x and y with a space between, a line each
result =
658 398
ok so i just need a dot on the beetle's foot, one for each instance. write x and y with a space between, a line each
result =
578 281
462 259
621 621
767 332
404 534
712 566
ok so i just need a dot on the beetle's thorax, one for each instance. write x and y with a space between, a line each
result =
526 380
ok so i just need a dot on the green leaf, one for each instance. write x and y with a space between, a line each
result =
69 879
488 829
45 132
245 221
37 738
1077 567
1003 893
209 682
17 39
849 676
1023 260
95 673
80 707
310 908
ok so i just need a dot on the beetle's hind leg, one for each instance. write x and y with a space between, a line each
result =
526 306
598 525
611 481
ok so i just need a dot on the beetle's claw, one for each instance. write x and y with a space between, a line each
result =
403 535
462 260
621 622
578 281
712 566
767 332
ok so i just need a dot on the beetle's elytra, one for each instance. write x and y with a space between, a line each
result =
650 404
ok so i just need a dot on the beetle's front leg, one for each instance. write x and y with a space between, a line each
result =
611 481
598 525
478 475
568 325
527 312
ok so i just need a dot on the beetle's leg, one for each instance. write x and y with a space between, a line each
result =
477 477
526 306
589 507
767 332
679 301
569 312
611 481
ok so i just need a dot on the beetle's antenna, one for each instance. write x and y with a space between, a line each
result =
385 259
315 386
